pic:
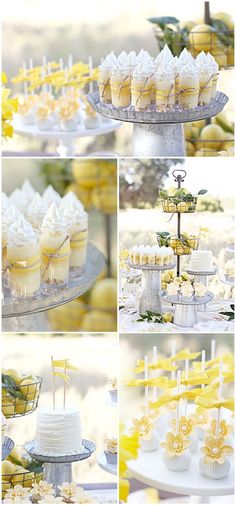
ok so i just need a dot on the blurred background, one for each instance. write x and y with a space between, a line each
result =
37 28
141 215
136 346
90 312
96 358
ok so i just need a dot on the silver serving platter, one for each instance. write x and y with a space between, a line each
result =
206 299
152 267
77 286
201 273
152 116
7 446
89 448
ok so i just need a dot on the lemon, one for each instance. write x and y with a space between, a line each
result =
105 199
190 151
188 131
104 294
214 135
67 317
29 389
93 173
230 56
199 124
228 142
220 54
225 17
13 374
8 468
206 152
202 38
167 317
98 320
21 407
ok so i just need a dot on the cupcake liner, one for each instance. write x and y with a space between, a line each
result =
111 457
214 470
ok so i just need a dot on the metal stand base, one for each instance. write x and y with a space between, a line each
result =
57 473
185 315
26 323
150 291
154 140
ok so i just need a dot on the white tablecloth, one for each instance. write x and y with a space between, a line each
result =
209 321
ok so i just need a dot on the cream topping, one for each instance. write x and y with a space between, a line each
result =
21 232
28 190
38 207
51 196
54 219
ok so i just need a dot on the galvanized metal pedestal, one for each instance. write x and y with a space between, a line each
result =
58 469
202 278
151 286
158 133
186 312
7 446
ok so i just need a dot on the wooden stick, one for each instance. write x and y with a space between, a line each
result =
154 360
146 387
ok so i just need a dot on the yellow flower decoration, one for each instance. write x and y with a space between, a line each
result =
67 112
9 107
201 417
128 450
43 112
215 450
144 426
111 445
175 445
23 108
186 425
224 429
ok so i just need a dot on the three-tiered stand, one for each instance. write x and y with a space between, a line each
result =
158 133
101 459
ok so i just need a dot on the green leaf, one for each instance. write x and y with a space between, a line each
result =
11 387
202 192
163 20
232 306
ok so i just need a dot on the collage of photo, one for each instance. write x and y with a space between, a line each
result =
118 230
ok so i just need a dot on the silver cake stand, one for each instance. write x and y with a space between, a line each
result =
13 311
229 281
7 446
186 312
202 277
158 133
151 286
58 469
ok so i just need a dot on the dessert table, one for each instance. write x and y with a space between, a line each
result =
208 321
65 140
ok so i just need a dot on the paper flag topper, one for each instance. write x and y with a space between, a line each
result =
161 364
185 354
210 403
63 363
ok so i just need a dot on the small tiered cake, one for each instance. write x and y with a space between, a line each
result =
201 261
58 432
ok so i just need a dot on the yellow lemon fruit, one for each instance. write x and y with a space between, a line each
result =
21 407
29 389
67 317
202 38
13 374
225 17
83 194
230 56
167 317
105 199
199 124
214 135
18 477
206 152
220 54
93 173
5 485
98 320
8 468
104 294
228 142
190 151
188 130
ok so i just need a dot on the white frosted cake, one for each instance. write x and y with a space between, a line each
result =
201 261
58 432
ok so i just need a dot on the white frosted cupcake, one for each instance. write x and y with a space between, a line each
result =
177 456
185 58
173 290
175 67
143 255
149 440
18 198
186 292
215 464
215 74
23 257
28 190
151 257
104 78
159 256
141 86
11 215
200 292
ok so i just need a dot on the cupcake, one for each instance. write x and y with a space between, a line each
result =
18 198
215 74
177 456
44 121
149 440
28 190
186 292
159 256
11 215
200 292
23 258
151 257
143 255
120 86
113 392
172 290
214 464
111 451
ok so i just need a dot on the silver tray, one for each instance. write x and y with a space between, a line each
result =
7 446
152 116
152 267
77 286
207 299
201 273
89 448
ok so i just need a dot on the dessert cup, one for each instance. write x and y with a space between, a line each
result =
179 463
205 86
120 88
165 90
141 90
188 88
111 457
104 85
113 395
23 258
55 257
214 470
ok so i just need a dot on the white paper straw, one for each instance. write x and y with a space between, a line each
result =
203 364
90 60
213 349
178 402
186 377
173 352
146 387
25 82
220 395
154 360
